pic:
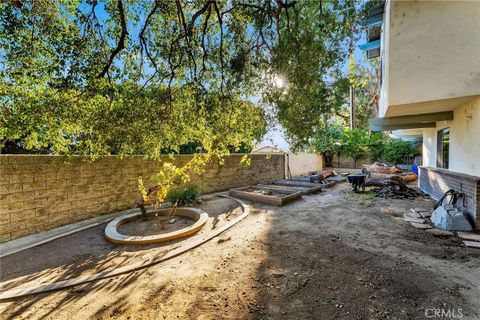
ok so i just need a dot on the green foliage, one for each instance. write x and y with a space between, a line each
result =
69 85
184 195
366 83
377 145
313 46
149 77
328 142
398 151
355 144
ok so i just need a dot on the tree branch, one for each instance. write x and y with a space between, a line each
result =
121 40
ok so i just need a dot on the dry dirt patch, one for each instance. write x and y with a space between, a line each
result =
331 255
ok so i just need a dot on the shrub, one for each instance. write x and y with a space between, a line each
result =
183 195
397 151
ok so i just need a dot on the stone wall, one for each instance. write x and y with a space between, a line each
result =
436 182
40 192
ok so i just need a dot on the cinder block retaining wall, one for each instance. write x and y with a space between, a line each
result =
39 192
436 182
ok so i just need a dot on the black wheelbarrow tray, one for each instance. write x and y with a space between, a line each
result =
357 181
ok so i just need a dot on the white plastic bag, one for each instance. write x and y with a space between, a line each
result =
448 217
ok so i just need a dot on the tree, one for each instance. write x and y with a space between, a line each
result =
144 77
355 144
328 142
377 144
70 68
365 79
308 57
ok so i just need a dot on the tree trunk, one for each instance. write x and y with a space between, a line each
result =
2 145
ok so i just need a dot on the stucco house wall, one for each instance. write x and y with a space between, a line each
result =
431 56
464 156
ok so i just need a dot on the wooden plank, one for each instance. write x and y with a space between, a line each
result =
291 198
440 233
472 244
304 190
469 236
416 220
284 182
255 197
420 225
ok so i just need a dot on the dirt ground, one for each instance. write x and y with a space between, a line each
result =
332 255
154 225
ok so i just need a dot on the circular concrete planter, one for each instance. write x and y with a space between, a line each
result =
200 217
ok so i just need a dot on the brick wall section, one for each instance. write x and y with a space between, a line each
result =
436 182
39 192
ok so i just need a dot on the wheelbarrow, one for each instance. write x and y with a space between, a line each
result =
357 181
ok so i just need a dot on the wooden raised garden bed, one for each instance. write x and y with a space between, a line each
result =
265 195
293 183
303 190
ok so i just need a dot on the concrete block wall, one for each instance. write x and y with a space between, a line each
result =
304 163
435 182
40 192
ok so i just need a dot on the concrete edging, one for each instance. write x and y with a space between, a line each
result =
112 235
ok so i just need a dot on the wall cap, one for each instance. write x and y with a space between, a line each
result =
451 173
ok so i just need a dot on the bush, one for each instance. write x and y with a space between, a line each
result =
184 195
397 151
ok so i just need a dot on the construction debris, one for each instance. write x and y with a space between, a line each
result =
440 233
393 189
420 225
379 167
450 216
424 213
381 171
469 236
416 220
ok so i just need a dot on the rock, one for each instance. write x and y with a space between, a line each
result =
172 220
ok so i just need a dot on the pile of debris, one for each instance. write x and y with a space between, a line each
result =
323 176
382 171
422 219
393 189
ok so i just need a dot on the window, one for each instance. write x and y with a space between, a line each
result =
443 146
